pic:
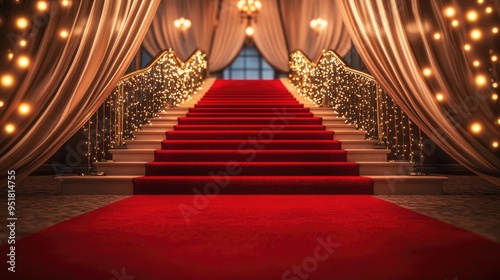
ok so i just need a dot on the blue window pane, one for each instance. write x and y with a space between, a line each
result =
239 63
225 73
268 74
238 74
266 66
252 62
253 74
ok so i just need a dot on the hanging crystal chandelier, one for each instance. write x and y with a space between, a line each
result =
248 10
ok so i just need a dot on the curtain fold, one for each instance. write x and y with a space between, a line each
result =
163 35
70 78
229 37
269 37
397 41
297 14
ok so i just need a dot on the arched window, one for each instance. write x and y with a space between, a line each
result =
249 65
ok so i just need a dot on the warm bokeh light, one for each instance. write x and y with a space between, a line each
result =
437 36
494 144
249 31
64 33
449 11
10 56
23 61
498 121
454 23
494 96
476 34
472 16
7 80
480 1
494 58
494 30
23 43
10 128
489 10
476 127
495 85
1 103
427 72
476 63
439 97
42 6
24 109
65 3
480 80
22 23
467 47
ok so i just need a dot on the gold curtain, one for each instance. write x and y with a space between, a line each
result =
431 60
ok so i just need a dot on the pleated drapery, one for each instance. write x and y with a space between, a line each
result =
70 78
437 70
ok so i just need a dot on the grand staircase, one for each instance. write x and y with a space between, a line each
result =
251 137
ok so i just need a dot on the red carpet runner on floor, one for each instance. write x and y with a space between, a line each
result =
251 137
252 237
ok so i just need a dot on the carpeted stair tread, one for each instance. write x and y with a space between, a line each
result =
254 184
249 153
246 144
249 134
254 168
261 121
248 127
249 115
249 105
250 110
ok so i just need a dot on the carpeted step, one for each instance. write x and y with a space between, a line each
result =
253 168
249 115
250 153
249 134
246 144
249 127
246 121
250 110
254 184
249 105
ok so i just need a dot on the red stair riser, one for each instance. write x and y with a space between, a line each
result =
234 144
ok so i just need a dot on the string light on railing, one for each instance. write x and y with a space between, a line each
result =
475 34
24 109
480 80
9 128
476 128
472 16
22 23
494 144
449 11
64 33
427 72
467 47
23 43
439 97
23 61
437 36
1 104
7 80
42 6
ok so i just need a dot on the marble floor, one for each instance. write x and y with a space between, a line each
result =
469 202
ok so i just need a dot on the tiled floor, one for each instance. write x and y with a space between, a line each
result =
469 202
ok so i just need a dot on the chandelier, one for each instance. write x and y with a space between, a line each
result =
182 24
248 10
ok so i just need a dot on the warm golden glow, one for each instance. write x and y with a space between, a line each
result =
437 36
494 144
182 23
427 72
23 61
10 128
10 56
23 43
7 80
476 127
480 80
476 63
64 33
467 47
494 58
1 103
475 34
495 85
494 30
24 109
22 23
454 23
249 31
318 24
449 11
472 16
480 1
489 10
494 96
498 121
42 6
65 3
439 97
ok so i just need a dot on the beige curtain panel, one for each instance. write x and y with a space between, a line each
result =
432 76
69 79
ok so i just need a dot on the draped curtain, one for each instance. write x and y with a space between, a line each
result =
297 14
69 79
163 34
398 40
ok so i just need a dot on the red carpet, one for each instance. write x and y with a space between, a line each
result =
261 237
257 135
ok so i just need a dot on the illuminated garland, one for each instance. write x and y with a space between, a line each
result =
357 96
139 96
